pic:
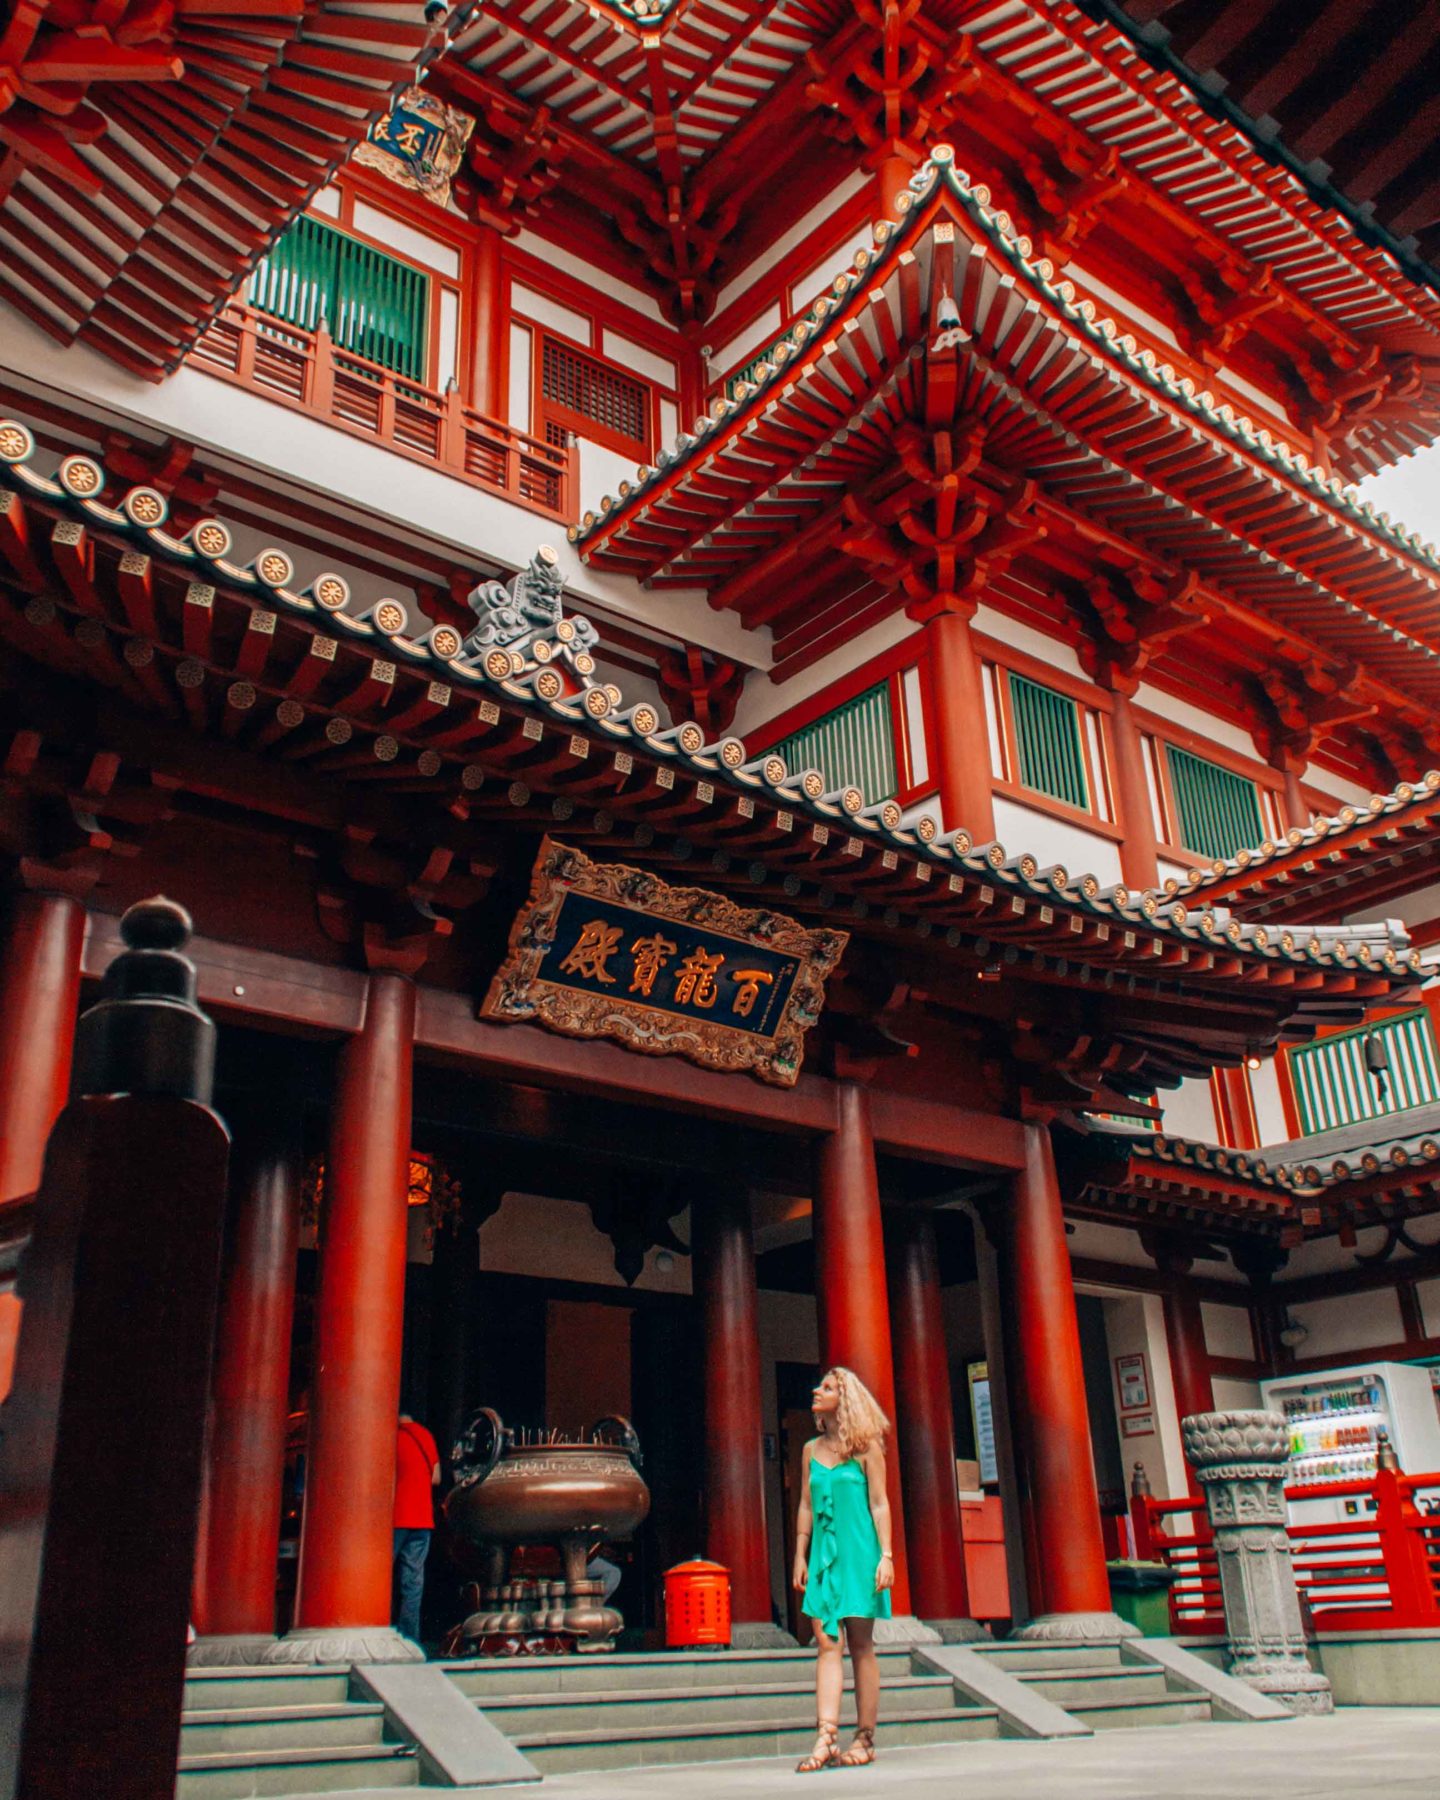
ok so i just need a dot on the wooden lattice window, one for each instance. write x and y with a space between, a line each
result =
1217 813
374 305
1333 1087
592 398
854 746
1048 752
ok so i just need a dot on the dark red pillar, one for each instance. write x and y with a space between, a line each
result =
926 1423
1049 1388
850 1291
1189 1358
39 998
734 1431
961 737
342 1608
235 1572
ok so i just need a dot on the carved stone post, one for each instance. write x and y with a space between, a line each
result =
1240 1460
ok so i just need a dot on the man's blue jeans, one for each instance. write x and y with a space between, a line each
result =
412 1546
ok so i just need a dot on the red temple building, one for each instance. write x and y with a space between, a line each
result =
880 477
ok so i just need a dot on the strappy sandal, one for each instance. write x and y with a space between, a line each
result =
861 1751
825 1755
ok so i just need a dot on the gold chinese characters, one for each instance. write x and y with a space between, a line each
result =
696 978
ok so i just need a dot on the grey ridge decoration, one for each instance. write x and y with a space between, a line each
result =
604 950
1241 1460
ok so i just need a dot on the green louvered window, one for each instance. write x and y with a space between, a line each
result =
854 746
1217 813
374 305
1333 1086
1048 752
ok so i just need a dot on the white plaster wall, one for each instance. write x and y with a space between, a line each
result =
601 472
815 281
1428 1294
1265 1097
1136 1323
234 428
1020 827
1227 1328
540 308
1181 712
1170 871
1236 1396
532 1234
631 355
1322 1256
1106 1243
1330 783
1411 909
419 246
1016 636
1349 1322
759 331
1189 1111
570 264
786 242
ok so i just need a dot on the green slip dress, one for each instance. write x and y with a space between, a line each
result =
844 1548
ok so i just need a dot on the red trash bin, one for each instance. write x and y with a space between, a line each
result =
697 1606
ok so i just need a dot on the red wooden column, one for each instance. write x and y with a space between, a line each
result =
850 1294
1297 813
961 738
926 1422
1049 1385
735 1530
39 1000
342 1607
234 1606
1189 1357
1139 864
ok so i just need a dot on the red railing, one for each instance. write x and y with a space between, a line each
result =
305 370
1378 1570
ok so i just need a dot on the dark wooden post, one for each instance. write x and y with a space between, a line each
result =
245 1464
39 998
926 1424
1064 1503
100 1465
735 1531
850 1292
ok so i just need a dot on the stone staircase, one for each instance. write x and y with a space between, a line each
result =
248 1732
573 1714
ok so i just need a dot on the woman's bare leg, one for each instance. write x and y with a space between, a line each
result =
860 1634
829 1676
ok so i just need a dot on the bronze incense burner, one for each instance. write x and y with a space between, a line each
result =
571 1493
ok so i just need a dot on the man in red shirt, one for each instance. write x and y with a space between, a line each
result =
417 1472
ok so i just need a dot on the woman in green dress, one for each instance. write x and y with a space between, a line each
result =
843 1563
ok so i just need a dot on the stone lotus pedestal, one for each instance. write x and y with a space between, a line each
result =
1241 1460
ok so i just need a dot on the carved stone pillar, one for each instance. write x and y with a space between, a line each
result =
1240 1460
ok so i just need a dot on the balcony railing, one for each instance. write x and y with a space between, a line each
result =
1378 1570
1333 1086
306 371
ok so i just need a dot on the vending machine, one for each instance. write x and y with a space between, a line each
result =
1335 1420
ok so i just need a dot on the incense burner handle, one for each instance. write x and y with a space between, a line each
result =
479 1447
625 1437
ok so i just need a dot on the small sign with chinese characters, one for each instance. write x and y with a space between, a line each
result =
602 950
419 144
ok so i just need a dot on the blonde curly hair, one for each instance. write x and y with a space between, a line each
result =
859 1420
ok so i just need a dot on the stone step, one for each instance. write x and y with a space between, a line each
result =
253 1687
1162 1709
1072 1686
485 1677
1023 1660
322 1771
239 1731
618 1709
639 1746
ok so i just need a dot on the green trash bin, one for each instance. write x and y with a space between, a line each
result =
1140 1594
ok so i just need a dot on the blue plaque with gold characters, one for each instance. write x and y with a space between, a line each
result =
603 950
420 144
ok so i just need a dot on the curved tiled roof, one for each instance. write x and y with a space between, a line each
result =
1409 800
1300 1167
1110 925
1084 318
